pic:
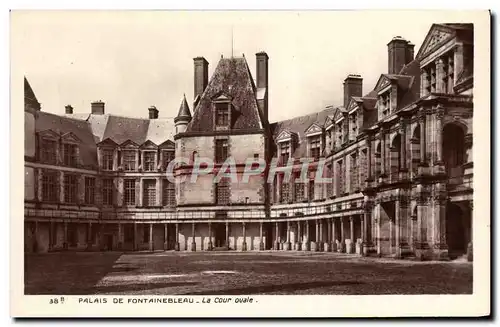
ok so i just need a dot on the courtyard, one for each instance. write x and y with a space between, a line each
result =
238 273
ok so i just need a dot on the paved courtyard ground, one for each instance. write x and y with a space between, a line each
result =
233 273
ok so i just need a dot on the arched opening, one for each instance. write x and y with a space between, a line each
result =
453 150
415 150
456 231
395 159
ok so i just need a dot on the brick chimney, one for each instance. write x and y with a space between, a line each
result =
97 107
69 109
353 87
262 64
400 53
200 77
153 112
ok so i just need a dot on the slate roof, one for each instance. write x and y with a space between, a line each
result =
30 100
184 111
80 128
299 125
231 78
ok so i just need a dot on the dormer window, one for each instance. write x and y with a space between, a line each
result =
149 160
70 154
385 104
340 134
448 72
107 159
168 156
354 125
284 148
315 146
129 160
222 112
48 151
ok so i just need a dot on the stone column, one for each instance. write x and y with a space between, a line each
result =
439 76
244 245
65 243
135 237
306 245
140 200
177 246
298 243
402 130
227 235
421 120
382 153
210 244
439 134
333 239
342 236
352 248
150 237
193 237
261 237
367 229
61 187
369 158
402 225
421 245
314 244
440 247
288 245
158 191
276 237
165 238
470 252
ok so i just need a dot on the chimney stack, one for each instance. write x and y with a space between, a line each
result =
353 87
69 109
400 53
153 112
200 78
97 108
262 64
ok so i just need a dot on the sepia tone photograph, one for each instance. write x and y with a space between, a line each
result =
234 154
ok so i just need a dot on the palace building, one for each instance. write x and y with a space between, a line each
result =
399 158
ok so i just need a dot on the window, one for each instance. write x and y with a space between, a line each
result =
107 159
149 160
354 172
70 157
298 188
329 185
129 160
89 190
70 188
354 126
449 71
221 150
49 151
145 233
222 114
149 193
284 191
50 186
107 191
129 192
168 193
311 190
284 153
430 82
385 104
340 178
168 156
340 134
315 146
222 193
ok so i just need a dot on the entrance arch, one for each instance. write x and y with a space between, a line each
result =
453 149
456 230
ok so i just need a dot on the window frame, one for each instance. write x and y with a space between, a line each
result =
129 192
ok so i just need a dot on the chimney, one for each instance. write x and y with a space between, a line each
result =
353 87
200 77
262 64
69 109
97 108
153 112
400 52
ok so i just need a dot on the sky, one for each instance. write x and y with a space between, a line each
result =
134 59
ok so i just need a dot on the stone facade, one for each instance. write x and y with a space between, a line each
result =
398 159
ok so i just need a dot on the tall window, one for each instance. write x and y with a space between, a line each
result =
449 71
430 78
89 190
284 152
50 186
315 146
311 190
221 150
149 193
222 114
340 178
354 125
129 160
168 156
70 188
107 191
129 192
222 193
107 159
284 190
329 185
168 193
354 172
149 160
340 134
298 188
48 150
385 104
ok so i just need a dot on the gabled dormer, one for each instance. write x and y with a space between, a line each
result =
286 143
167 154
330 136
355 117
340 127
315 141
71 149
107 154
129 155
387 94
48 146
149 156
222 109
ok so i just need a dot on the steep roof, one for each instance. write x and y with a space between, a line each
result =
184 111
80 128
121 129
231 78
30 100
299 125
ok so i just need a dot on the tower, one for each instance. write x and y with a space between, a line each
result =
183 117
